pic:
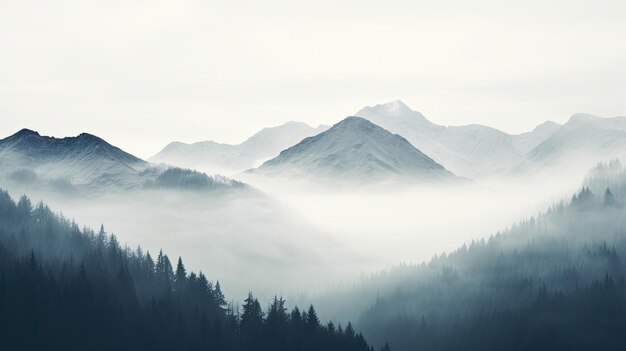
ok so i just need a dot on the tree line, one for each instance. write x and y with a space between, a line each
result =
556 281
63 287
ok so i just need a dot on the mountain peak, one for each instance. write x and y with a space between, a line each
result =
397 106
26 131
261 146
34 146
355 149
393 108
353 120
356 124
90 138
547 126
21 134
396 116
583 117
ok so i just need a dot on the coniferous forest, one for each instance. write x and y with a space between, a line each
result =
556 281
328 175
67 288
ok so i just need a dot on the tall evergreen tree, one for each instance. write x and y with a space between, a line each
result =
220 299
180 277
312 321
609 199
61 290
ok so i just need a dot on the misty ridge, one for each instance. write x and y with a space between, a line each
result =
68 288
338 159
553 281
87 164
345 218
312 175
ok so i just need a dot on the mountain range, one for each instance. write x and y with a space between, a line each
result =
471 150
477 151
88 163
355 150
395 143
228 158
554 281
584 139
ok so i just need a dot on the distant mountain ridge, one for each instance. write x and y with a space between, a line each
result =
80 160
584 139
212 156
39 147
545 283
477 151
472 150
355 150
87 163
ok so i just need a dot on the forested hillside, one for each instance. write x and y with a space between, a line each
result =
553 282
67 288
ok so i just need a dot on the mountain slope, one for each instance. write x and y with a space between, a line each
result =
582 142
355 150
212 156
87 163
67 288
553 282
471 150
525 142
81 160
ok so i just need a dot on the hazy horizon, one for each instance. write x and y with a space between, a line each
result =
131 146
368 228
142 74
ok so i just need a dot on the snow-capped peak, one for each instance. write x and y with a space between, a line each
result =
393 108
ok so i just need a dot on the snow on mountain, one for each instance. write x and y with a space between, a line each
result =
81 160
262 146
355 150
472 150
583 141
525 142
87 163
611 123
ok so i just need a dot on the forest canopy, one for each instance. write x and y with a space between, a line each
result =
67 288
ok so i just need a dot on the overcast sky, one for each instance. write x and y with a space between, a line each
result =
143 73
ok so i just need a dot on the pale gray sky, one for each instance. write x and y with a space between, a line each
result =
143 73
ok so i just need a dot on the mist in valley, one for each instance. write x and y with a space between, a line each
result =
300 240
312 176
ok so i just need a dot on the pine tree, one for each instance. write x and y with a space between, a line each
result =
609 199
163 274
218 296
312 321
113 246
251 325
296 317
149 266
277 313
349 330
252 316
330 327
180 277
25 207
101 239
60 289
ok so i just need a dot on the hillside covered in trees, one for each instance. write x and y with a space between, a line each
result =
553 282
67 288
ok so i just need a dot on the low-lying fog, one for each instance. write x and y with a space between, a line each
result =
412 225
300 240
